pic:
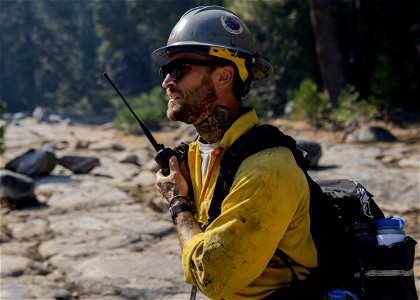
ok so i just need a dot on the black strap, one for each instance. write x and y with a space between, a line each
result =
288 263
257 139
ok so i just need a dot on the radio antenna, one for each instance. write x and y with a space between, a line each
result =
146 130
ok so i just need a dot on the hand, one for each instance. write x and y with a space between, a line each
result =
173 184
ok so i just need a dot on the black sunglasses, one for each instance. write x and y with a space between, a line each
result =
176 68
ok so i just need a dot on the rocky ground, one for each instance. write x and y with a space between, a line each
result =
107 234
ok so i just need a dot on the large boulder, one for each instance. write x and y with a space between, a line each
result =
79 164
33 163
375 134
16 189
313 150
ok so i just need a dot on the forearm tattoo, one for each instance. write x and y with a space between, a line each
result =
166 189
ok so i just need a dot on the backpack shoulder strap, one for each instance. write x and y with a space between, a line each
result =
257 139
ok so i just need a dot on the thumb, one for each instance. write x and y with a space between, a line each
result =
173 164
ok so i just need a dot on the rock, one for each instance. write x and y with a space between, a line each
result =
34 287
87 195
33 163
46 289
145 155
14 288
117 146
16 188
3 124
13 265
53 119
19 248
289 108
410 163
38 114
53 146
375 134
146 178
130 158
129 274
29 230
152 166
394 189
81 144
19 116
313 150
109 125
107 145
82 234
79 164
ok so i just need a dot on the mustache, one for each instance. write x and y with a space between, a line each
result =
172 90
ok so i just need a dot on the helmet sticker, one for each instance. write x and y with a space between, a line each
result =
231 24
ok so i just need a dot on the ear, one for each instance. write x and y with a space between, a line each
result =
225 75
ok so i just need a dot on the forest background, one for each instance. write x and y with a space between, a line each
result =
334 60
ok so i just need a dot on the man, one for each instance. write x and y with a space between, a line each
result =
207 66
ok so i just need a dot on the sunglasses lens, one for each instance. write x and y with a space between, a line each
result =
176 68
175 71
164 71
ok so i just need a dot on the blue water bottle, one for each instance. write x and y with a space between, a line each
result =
390 230
341 295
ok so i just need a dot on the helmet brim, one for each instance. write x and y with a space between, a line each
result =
260 68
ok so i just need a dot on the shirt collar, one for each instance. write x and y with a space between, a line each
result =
244 123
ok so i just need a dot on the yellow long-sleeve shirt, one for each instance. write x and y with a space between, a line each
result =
267 207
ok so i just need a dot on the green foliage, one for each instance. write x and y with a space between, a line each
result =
96 104
261 97
284 36
48 53
150 108
352 108
53 52
310 104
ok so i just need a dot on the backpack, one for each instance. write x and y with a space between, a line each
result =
342 215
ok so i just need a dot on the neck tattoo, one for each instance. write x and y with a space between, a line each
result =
212 128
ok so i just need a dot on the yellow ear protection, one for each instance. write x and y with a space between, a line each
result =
232 56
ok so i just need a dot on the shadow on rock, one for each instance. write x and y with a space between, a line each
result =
55 179
22 204
324 168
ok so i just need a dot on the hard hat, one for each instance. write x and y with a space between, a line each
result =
215 31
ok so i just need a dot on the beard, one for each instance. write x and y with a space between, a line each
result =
192 103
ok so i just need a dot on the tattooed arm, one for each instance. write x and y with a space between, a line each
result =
175 185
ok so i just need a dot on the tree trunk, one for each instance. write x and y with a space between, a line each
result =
326 45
